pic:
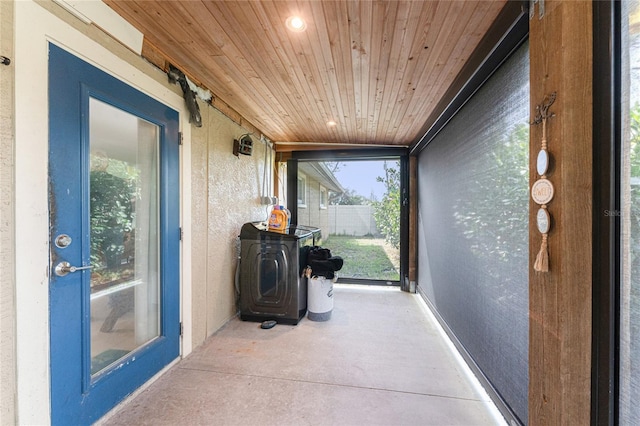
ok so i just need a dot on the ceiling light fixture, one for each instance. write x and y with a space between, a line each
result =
296 24
331 123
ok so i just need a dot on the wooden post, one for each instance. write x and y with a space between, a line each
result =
560 300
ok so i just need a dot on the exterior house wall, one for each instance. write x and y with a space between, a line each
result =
7 222
323 213
312 214
225 195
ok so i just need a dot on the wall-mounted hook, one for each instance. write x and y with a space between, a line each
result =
532 5
4 60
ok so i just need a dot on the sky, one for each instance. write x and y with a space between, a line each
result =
360 176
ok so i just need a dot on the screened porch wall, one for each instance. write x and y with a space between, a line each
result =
473 226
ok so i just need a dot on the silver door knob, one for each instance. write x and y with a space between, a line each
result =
64 268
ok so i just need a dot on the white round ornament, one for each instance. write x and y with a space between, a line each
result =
542 191
543 220
542 164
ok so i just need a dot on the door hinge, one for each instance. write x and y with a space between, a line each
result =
181 328
180 233
180 135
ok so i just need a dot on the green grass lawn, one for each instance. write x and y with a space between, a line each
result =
365 257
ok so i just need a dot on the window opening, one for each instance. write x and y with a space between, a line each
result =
302 191
323 197
356 204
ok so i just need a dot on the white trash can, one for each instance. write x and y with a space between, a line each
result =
319 298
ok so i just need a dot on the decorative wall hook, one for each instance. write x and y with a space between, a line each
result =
542 190
542 115
532 6
4 60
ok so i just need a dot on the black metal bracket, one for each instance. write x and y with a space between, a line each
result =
177 76
4 60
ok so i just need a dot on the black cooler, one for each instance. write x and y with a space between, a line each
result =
271 286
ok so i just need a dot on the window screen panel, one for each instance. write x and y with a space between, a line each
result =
473 228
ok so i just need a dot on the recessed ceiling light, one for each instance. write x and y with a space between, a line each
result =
296 24
331 123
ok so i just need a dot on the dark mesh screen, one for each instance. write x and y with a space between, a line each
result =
473 228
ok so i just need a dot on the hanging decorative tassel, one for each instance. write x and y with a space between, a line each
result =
542 190
542 259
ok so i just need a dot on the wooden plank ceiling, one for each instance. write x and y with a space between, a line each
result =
375 68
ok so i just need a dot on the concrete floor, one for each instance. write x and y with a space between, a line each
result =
380 359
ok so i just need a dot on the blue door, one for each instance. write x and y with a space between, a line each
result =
114 230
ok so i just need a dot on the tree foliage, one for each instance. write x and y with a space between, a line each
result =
386 212
634 169
334 166
496 211
112 195
348 198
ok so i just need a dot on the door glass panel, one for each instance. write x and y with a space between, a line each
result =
124 239
630 215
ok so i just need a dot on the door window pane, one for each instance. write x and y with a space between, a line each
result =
630 216
124 239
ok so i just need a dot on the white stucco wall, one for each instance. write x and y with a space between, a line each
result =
226 194
7 219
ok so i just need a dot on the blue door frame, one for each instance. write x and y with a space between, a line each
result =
77 397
